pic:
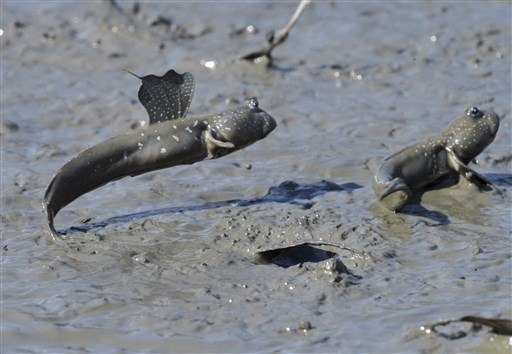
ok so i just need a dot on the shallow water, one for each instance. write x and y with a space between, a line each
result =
177 269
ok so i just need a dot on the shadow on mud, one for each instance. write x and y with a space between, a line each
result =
294 255
500 179
414 206
326 255
287 192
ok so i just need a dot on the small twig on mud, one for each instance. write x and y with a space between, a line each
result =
121 11
114 4
118 8
274 39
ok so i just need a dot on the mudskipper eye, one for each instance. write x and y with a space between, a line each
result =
475 113
253 103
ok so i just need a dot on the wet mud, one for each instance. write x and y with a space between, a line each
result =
280 247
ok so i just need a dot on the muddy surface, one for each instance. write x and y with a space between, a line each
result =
170 259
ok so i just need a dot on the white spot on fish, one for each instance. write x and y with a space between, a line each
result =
163 150
158 137
142 123
176 138
140 145
188 129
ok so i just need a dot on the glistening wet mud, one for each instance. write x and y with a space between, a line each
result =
171 260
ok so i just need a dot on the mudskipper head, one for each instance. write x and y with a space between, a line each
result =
243 125
472 133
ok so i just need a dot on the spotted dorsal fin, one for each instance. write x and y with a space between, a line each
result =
166 97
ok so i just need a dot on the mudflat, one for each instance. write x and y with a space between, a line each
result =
171 260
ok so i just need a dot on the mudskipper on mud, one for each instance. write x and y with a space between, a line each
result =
419 165
170 140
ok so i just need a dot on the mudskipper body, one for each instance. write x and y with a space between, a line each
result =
421 164
171 139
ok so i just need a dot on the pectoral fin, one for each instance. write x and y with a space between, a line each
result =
464 170
213 144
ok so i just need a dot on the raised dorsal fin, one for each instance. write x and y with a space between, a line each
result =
166 97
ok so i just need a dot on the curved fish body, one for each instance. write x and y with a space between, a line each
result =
419 165
163 144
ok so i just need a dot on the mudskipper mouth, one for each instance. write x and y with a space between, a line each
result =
269 126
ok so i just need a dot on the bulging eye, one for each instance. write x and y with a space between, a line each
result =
475 112
253 103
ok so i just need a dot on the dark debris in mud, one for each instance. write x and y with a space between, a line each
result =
275 38
454 329
294 255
